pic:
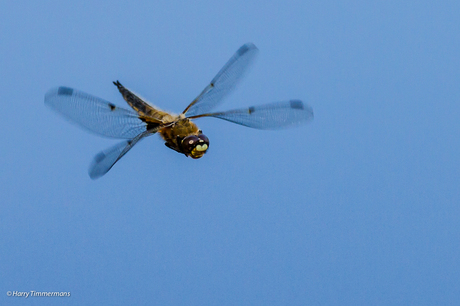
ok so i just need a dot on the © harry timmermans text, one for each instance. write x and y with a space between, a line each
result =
33 293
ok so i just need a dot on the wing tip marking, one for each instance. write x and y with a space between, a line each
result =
296 104
65 91
245 48
99 157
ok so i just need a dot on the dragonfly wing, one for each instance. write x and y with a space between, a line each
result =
95 114
105 160
224 82
269 116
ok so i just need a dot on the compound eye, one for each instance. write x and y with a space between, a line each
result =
189 143
204 138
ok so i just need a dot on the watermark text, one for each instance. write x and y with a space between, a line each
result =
27 294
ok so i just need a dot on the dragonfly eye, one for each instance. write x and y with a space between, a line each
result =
189 143
203 138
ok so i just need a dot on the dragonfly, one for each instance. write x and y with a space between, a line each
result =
179 132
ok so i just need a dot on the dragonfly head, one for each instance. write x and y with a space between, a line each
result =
195 145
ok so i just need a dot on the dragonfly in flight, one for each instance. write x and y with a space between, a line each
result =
178 131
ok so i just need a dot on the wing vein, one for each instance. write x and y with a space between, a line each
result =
95 114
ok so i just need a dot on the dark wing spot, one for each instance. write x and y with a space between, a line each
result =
129 142
112 107
65 91
297 104
251 110
212 84
242 50
99 157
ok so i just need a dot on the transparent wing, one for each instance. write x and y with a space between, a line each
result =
95 114
224 81
269 116
105 160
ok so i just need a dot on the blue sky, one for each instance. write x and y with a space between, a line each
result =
359 207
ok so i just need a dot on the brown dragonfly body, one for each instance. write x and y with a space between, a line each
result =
178 131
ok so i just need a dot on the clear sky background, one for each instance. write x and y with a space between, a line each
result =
359 207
